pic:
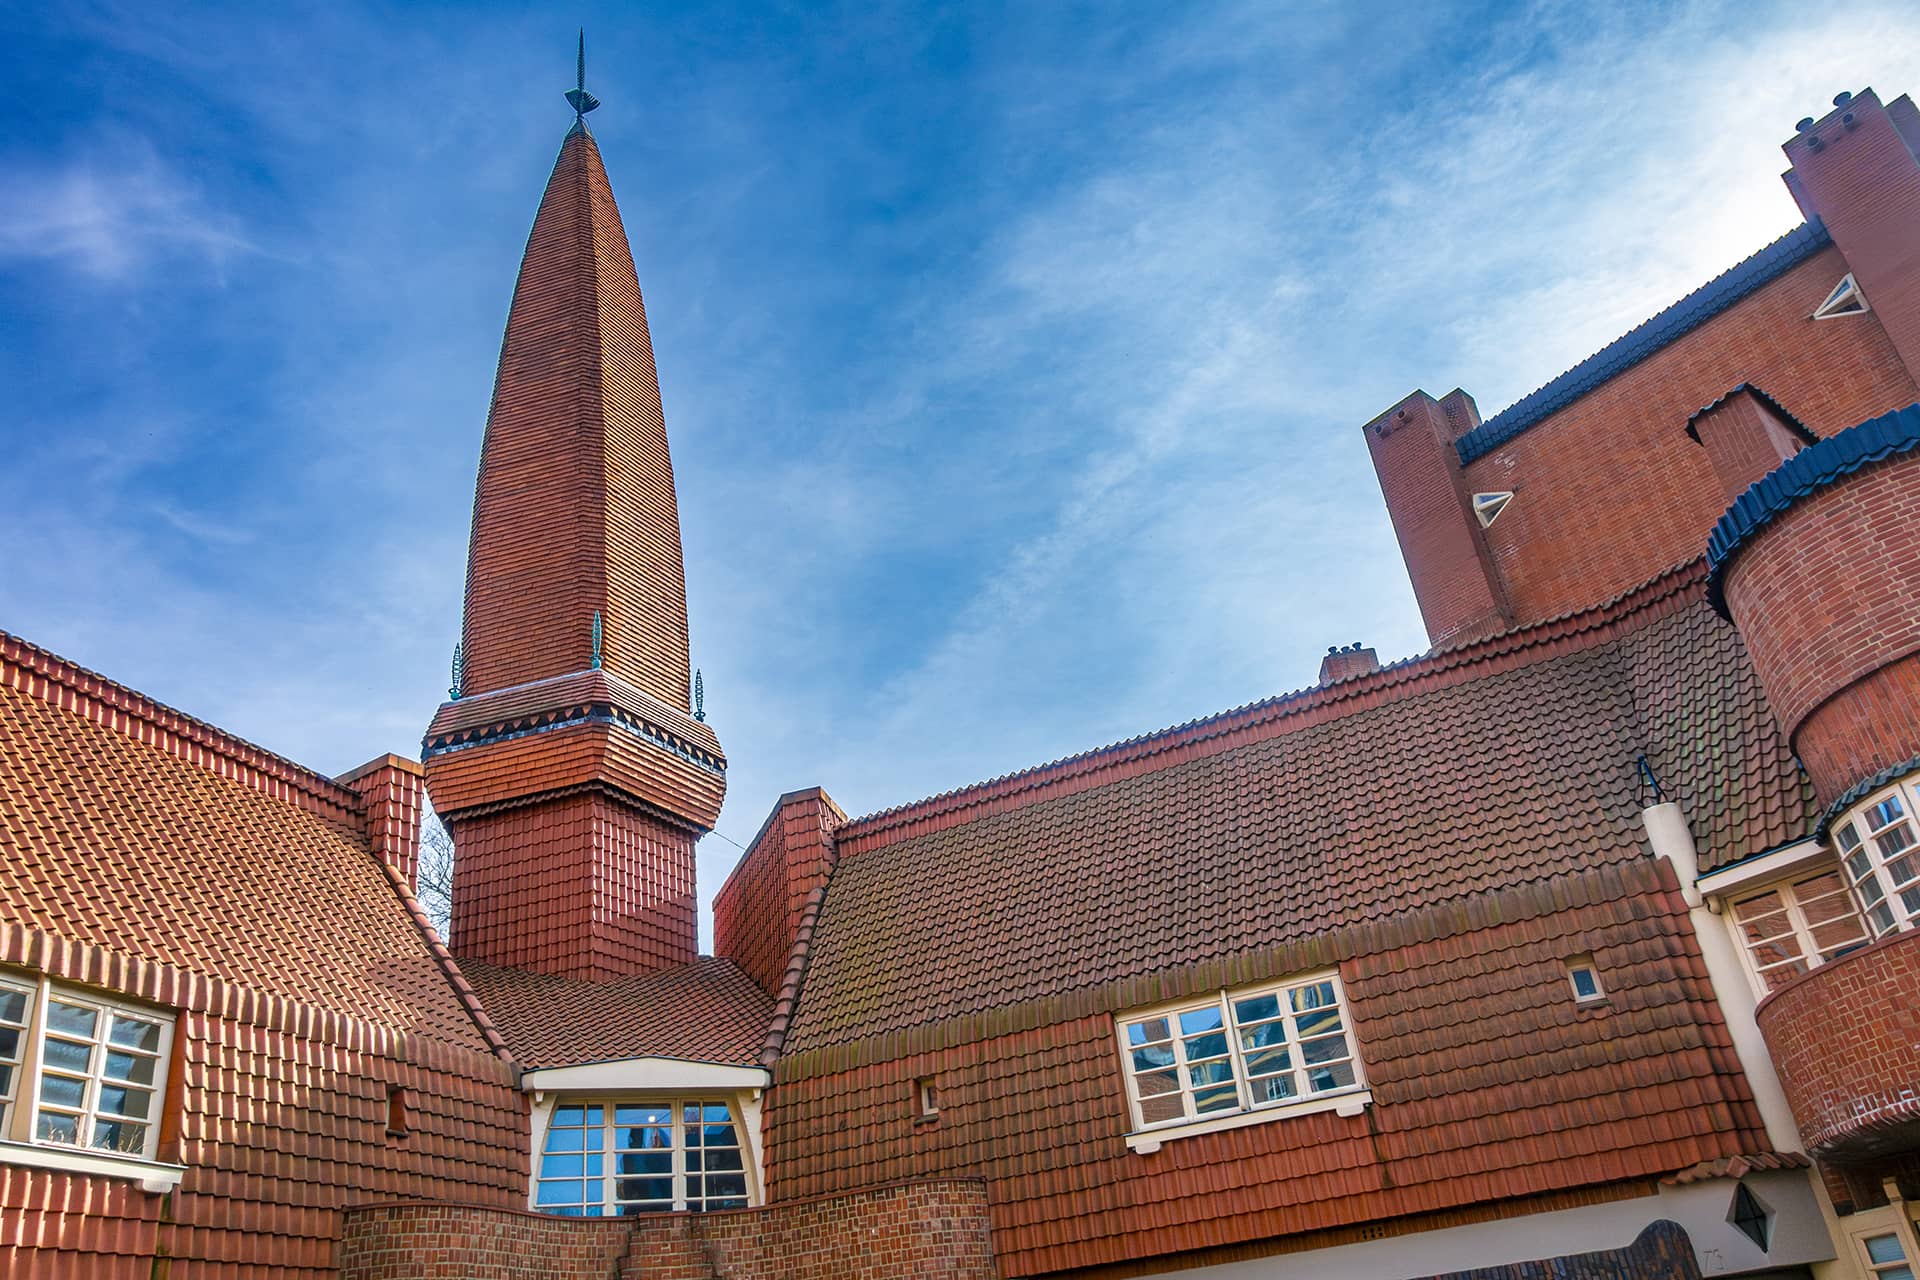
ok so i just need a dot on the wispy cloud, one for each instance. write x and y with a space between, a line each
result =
112 213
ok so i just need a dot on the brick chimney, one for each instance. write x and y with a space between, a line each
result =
1454 579
1746 434
1344 662
394 791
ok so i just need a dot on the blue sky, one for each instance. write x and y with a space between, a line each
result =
1013 356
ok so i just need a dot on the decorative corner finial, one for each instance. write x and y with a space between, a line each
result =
577 97
459 673
596 639
699 697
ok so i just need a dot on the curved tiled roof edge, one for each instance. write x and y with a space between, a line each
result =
1806 472
1859 791
1678 320
787 1003
462 989
109 703
1441 666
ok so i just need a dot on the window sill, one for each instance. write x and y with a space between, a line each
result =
1147 1141
153 1176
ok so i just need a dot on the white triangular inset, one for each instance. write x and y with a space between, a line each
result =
1488 506
1845 300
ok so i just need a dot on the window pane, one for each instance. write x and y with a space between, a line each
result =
1216 1097
1848 838
124 1066
632 1163
1321 1079
1327 1049
1885 1249
119 1101
65 1055
1261 1036
717 1135
574 1116
562 1193
1264 1062
13 1006
1149 1031
136 1033
1165 1106
1256 1009
1218 1071
563 1166
725 1160
644 1189
1152 1058
717 1113
726 1184
119 1135
1317 996
1213 1046
627 1114
566 1140
1317 1024
70 1018
56 1128
1196 1020
62 1091
1274 1088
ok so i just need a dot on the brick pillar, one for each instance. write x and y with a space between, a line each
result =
1454 579
756 914
394 791
1856 171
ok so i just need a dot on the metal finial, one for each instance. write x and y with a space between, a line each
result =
699 697
459 673
596 639
577 97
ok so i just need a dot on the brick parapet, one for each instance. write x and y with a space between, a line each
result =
757 913
1846 1040
923 1230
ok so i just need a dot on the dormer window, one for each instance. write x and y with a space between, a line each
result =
1881 851
1845 300
614 1156
1270 1050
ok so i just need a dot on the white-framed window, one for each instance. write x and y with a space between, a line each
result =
625 1156
1488 506
1886 1259
1788 928
79 1071
1845 300
1262 1047
1880 848
1585 980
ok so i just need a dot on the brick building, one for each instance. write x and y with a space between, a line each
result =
1581 945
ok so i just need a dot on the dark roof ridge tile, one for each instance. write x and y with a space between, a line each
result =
1424 672
787 1003
1646 338
462 989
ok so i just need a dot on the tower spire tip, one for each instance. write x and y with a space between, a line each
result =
577 97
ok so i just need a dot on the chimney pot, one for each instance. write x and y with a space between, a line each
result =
1344 663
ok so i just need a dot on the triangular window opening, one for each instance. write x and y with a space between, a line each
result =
1488 506
1845 300
1749 1217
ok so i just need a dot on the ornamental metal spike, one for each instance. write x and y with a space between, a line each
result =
699 697
596 639
577 97
459 673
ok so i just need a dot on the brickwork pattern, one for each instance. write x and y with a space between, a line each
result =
1744 439
575 510
1585 527
279 1111
1846 1040
1824 597
757 912
580 886
931 1230
1488 1084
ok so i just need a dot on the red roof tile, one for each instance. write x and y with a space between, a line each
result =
127 825
706 1011
1500 763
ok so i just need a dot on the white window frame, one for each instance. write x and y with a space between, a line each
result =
609 1205
1800 929
1584 964
1825 310
1877 1270
1869 872
1345 1099
20 1107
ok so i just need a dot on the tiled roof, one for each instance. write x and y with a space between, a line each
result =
121 828
1499 763
1678 320
706 1011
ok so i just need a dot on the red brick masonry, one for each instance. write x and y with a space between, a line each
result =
1846 1038
936 1230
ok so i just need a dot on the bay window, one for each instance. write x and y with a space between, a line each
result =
1793 926
615 1156
1880 849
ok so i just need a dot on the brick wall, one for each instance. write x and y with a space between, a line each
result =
1823 595
756 914
1611 490
1846 1040
279 1112
919 1231
1488 1084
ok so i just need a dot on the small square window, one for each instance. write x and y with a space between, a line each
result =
927 1097
397 1126
1586 981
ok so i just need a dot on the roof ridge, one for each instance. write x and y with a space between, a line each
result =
1667 325
115 706
1435 666
787 1003
462 989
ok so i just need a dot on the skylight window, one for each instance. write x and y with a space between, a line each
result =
1488 506
1585 980
1845 300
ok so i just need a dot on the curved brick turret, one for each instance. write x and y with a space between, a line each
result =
1819 565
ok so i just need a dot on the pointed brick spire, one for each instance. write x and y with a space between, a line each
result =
575 509
567 765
